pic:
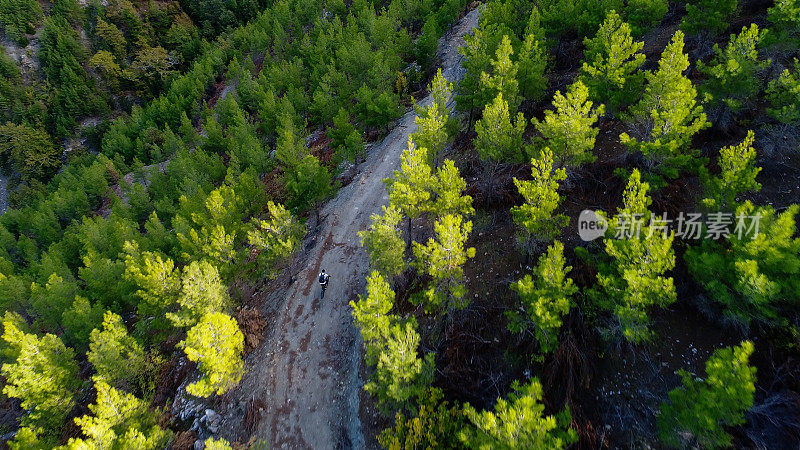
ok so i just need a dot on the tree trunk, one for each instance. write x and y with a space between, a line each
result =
408 236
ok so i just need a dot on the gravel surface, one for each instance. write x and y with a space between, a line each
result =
306 371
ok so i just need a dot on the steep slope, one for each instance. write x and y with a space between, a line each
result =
306 371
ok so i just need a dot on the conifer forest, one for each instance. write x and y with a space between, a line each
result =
399 224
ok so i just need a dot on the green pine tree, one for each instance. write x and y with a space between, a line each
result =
756 269
784 94
308 183
409 189
518 423
400 375
535 219
371 316
498 139
434 124
217 444
708 16
784 16
216 345
435 424
569 129
732 76
503 79
668 113
633 280
612 62
532 60
202 293
545 298
696 412
274 239
156 280
471 94
737 176
443 259
644 14
345 139
120 421
116 357
384 242
448 190
431 133
42 373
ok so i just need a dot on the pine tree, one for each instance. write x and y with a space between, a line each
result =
308 183
345 138
448 190
784 16
435 424
471 95
709 16
434 124
30 150
384 242
216 345
668 112
737 175
756 269
31 438
633 280
50 302
371 316
431 133
568 130
400 375
732 74
43 374
441 91
612 62
545 299
202 293
443 259
156 280
20 17
498 139
120 421
784 94
208 230
697 411
644 14
79 321
409 189
115 356
532 59
217 444
503 79
274 239
103 62
518 423
565 17
534 219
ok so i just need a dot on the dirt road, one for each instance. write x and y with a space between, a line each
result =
306 371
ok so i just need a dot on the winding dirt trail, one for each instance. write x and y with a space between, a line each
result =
307 369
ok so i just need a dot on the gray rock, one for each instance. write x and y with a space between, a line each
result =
212 421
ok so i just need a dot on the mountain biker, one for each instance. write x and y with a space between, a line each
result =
323 280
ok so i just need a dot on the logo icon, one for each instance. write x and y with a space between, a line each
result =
591 226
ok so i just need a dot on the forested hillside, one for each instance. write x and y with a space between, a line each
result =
166 163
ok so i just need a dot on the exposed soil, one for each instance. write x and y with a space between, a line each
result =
304 377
